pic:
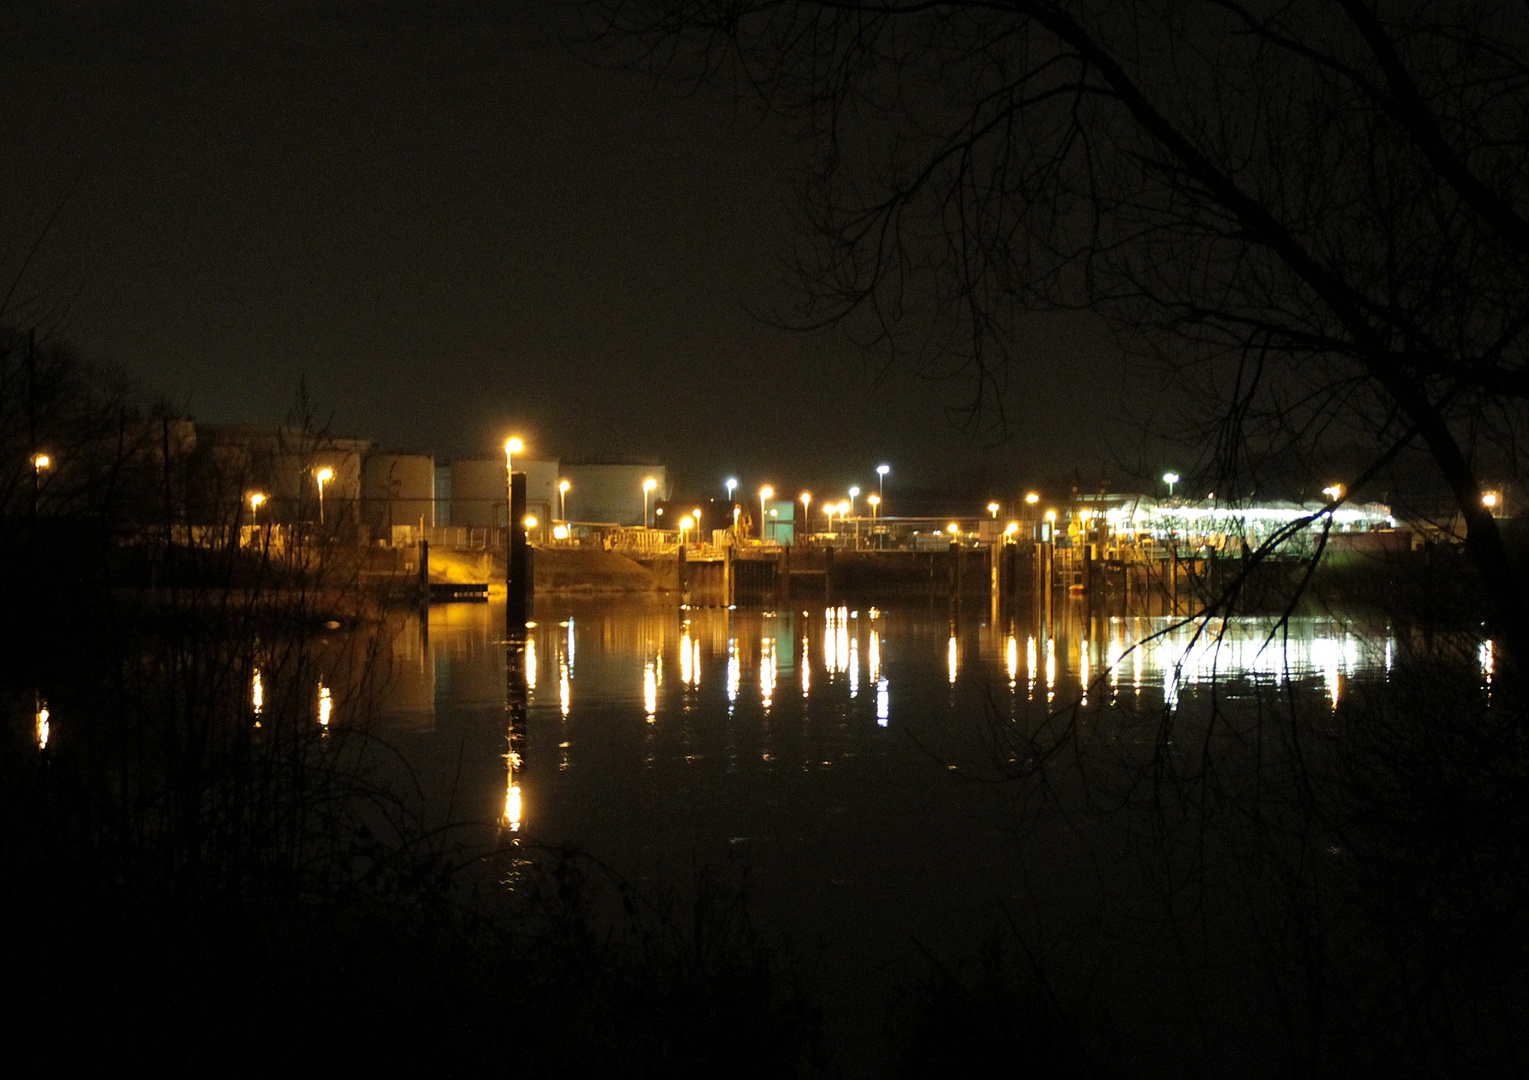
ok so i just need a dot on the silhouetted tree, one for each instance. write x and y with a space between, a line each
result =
1317 214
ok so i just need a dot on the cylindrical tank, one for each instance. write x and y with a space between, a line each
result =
397 489
478 492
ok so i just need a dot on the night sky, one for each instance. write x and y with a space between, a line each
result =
453 224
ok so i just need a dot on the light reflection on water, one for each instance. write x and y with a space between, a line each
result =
730 667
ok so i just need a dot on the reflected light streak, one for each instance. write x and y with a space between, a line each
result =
650 690
767 671
806 667
257 694
530 663
1011 660
44 726
883 702
512 805
1050 670
873 656
1084 658
952 658
326 705
687 668
564 689
734 672
854 667
1030 666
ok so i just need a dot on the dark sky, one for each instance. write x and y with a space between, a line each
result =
453 225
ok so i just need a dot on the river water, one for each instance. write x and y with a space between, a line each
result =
856 762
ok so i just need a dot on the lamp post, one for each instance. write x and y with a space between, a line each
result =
828 512
881 480
562 499
512 446
1170 478
1334 492
992 508
323 476
766 492
731 485
648 485
256 498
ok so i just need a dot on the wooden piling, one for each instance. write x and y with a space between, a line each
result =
518 585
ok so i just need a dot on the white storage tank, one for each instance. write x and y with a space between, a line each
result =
397 489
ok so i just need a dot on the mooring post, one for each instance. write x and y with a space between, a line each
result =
424 571
727 574
828 575
679 574
518 590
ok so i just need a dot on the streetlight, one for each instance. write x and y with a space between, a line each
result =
1334 492
854 493
1490 500
686 524
256 498
1033 497
1010 531
806 498
40 462
1170 478
828 512
731 485
323 476
766 492
562 497
875 501
512 446
648 485
881 480
992 508
953 529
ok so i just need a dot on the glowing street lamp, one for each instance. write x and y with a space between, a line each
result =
806 498
731 485
512 446
1491 500
953 529
875 501
1032 497
256 498
1051 516
1011 530
41 462
323 476
648 485
1170 478
828 512
881 480
854 493
562 497
992 508
686 524
1333 492
766 492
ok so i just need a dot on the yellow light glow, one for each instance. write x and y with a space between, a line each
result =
326 705
1033 497
563 486
324 475
843 508
952 528
992 508
560 532
41 461
1333 492
255 500
1490 499
1011 528
512 807
257 692
767 492
531 521
44 726
513 445
1051 515
1084 515
687 523
649 484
